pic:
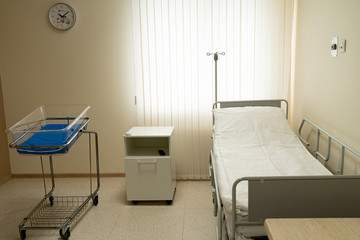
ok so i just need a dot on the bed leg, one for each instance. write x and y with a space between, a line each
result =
219 225
216 199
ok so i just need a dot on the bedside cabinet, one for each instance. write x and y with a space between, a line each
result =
149 165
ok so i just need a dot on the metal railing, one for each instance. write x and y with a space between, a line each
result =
330 138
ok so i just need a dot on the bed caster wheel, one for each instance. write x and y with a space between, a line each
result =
168 202
65 235
23 234
96 200
51 199
134 202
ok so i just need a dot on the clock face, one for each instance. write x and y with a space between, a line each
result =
62 16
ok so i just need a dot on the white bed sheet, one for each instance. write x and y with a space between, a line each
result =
256 141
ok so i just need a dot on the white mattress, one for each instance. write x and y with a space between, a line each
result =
256 141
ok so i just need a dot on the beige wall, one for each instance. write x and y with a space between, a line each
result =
91 63
5 172
326 89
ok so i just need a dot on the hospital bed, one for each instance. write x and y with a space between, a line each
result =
52 130
260 169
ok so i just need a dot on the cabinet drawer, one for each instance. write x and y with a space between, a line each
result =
148 178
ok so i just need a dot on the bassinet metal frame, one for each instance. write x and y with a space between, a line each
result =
59 212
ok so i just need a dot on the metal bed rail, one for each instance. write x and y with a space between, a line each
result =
330 138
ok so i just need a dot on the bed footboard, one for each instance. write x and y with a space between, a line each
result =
299 197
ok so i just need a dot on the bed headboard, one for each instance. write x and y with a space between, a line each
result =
254 103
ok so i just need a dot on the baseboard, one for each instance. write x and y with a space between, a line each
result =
66 175
81 175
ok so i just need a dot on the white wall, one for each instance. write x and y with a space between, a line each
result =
91 63
326 89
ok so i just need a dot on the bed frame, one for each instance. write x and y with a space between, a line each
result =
290 197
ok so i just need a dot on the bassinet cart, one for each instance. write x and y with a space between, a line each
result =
52 130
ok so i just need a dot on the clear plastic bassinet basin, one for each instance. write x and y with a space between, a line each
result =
49 129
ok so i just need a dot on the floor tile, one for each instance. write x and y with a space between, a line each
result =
144 222
199 224
96 224
198 195
190 216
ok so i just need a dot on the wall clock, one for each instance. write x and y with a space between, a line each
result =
62 16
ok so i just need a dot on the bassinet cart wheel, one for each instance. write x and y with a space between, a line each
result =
23 234
51 199
66 235
96 200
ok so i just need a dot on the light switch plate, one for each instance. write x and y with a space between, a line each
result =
342 45
334 46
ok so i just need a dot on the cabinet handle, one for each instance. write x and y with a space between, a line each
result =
147 161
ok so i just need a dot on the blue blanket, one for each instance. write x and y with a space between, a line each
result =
54 139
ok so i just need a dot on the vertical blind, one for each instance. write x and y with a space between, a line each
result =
175 78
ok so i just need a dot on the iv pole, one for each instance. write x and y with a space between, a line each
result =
216 57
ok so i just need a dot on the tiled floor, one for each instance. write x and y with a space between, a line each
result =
189 217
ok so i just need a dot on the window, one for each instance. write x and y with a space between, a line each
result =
175 77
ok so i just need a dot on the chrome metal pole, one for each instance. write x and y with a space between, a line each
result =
216 58
43 174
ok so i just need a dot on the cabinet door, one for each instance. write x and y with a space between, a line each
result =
148 178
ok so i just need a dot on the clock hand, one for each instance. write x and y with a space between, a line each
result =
65 14
60 15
